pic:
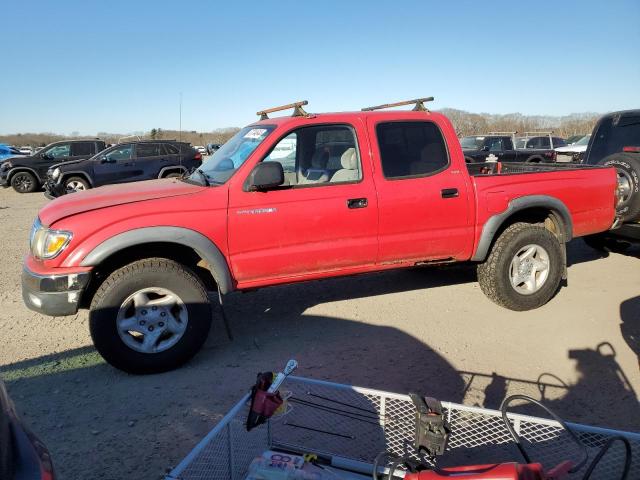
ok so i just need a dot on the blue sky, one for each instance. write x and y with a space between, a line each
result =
119 66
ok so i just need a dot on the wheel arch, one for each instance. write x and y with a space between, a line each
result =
170 169
20 168
530 209
177 243
66 175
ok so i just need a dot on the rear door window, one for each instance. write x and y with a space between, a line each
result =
147 150
82 149
171 149
411 149
59 151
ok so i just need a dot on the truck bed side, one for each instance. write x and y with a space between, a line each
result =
587 193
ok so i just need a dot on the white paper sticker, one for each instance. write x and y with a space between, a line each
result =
255 133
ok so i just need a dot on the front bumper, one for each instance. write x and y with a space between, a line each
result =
53 189
54 295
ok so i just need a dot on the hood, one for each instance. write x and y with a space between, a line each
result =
112 195
69 162
572 149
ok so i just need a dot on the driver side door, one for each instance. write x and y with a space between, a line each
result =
114 166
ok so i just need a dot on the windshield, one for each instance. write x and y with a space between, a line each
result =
227 159
583 141
471 142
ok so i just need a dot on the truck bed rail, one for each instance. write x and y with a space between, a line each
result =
509 168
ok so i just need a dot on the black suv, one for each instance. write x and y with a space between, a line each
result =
27 174
615 141
122 163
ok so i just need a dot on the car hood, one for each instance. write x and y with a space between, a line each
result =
70 162
113 195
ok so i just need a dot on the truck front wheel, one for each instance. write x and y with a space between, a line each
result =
150 316
524 269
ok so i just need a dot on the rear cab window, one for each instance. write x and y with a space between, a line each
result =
411 149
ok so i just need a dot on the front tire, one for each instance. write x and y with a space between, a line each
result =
24 182
150 316
76 184
524 269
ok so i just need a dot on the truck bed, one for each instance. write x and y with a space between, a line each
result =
585 190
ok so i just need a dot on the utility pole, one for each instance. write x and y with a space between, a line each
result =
180 131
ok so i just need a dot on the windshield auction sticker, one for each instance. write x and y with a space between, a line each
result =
255 133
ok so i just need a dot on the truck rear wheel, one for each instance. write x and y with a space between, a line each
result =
150 316
524 269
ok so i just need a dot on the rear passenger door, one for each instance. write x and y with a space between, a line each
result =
148 160
324 219
424 201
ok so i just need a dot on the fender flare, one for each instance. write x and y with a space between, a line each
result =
19 168
78 173
172 167
493 224
204 247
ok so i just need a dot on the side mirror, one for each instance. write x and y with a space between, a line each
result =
485 148
265 176
105 159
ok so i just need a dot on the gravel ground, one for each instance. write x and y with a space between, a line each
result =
429 330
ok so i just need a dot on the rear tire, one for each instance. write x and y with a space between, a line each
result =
24 182
154 299
507 273
628 169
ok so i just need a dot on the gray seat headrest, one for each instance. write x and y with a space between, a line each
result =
349 159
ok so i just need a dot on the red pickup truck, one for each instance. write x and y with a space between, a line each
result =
298 198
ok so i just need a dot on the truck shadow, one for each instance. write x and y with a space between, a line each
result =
630 324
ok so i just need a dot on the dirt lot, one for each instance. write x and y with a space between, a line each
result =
429 330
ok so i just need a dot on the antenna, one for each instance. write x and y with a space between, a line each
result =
180 127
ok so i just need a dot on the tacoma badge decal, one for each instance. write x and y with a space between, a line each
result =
256 211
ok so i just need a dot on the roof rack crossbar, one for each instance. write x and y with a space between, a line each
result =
502 133
137 137
298 111
528 134
419 105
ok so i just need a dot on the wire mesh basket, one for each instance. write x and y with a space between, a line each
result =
350 426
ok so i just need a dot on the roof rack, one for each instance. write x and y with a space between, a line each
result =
531 134
419 102
298 111
502 133
129 136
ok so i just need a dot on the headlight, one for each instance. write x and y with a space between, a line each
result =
55 173
46 243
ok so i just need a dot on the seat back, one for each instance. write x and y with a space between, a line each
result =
349 171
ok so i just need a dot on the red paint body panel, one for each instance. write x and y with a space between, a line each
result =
298 234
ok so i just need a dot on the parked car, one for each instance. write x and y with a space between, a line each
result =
22 455
123 163
201 149
143 259
616 142
500 147
28 173
539 141
573 152
7 152
212 147
26 150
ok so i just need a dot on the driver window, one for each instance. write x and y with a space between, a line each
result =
122 152
59 151
318 155
495 145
